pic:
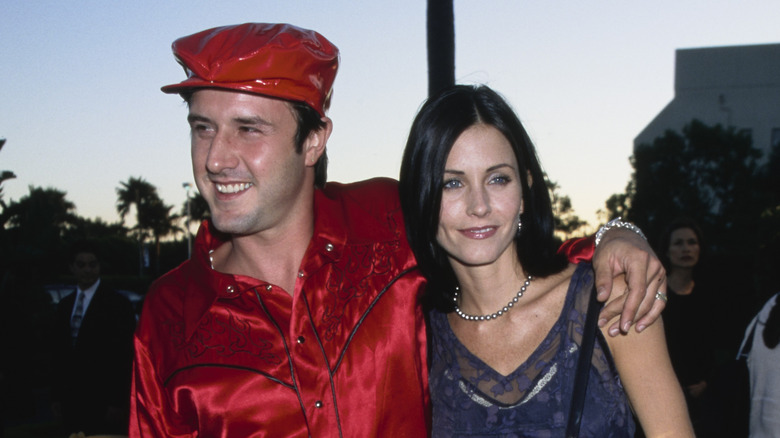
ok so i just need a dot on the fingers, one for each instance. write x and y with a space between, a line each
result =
634 286
652 303
652 315
631 255
645 277
609 312
604 278
636 277
656 276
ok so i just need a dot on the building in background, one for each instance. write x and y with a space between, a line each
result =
735 86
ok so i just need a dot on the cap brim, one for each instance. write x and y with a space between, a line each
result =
253 87
192 84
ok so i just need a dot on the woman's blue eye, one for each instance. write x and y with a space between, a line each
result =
451 184
501 179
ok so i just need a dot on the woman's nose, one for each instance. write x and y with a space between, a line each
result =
478 202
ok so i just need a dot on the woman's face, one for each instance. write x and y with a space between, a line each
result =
481 198
683 248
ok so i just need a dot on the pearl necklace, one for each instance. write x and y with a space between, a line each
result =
505 309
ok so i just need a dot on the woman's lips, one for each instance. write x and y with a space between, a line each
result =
479 232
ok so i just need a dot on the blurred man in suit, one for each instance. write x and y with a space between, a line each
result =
94 333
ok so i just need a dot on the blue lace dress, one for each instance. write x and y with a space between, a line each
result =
470 399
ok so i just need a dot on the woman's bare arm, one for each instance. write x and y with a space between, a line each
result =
642 361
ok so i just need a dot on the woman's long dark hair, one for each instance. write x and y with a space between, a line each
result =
441 120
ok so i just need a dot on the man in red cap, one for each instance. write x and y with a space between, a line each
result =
298 313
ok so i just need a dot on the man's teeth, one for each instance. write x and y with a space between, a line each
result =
232 188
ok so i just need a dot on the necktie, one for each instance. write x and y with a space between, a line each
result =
78 315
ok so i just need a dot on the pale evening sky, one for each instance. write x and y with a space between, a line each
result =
81 107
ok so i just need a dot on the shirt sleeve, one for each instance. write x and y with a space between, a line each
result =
578 250
151 412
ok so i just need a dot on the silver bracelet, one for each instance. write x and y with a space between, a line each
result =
618 223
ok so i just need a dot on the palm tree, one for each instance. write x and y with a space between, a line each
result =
157 216
195 209
153 217
199 208
134 193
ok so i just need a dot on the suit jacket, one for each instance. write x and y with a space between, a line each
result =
94 374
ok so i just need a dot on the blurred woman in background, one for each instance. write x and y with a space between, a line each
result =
687 316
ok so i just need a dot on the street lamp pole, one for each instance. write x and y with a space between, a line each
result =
187 188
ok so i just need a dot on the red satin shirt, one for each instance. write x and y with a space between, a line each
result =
222 355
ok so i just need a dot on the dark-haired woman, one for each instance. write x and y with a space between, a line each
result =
507 310
688 320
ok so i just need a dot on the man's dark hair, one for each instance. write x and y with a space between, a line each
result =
309 121
82 247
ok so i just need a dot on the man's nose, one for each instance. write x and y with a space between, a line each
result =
222 154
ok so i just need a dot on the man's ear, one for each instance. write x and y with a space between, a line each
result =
315 143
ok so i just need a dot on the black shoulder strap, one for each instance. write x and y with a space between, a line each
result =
583 366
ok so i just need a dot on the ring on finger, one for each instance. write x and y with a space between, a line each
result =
661 296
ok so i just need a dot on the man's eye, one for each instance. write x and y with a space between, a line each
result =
200 128
248 129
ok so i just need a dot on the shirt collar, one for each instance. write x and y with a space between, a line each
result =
339 219
88 292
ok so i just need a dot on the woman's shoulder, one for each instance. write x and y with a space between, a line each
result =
579 287
559 293
570 281
562 278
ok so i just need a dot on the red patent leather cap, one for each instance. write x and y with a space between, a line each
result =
277 60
